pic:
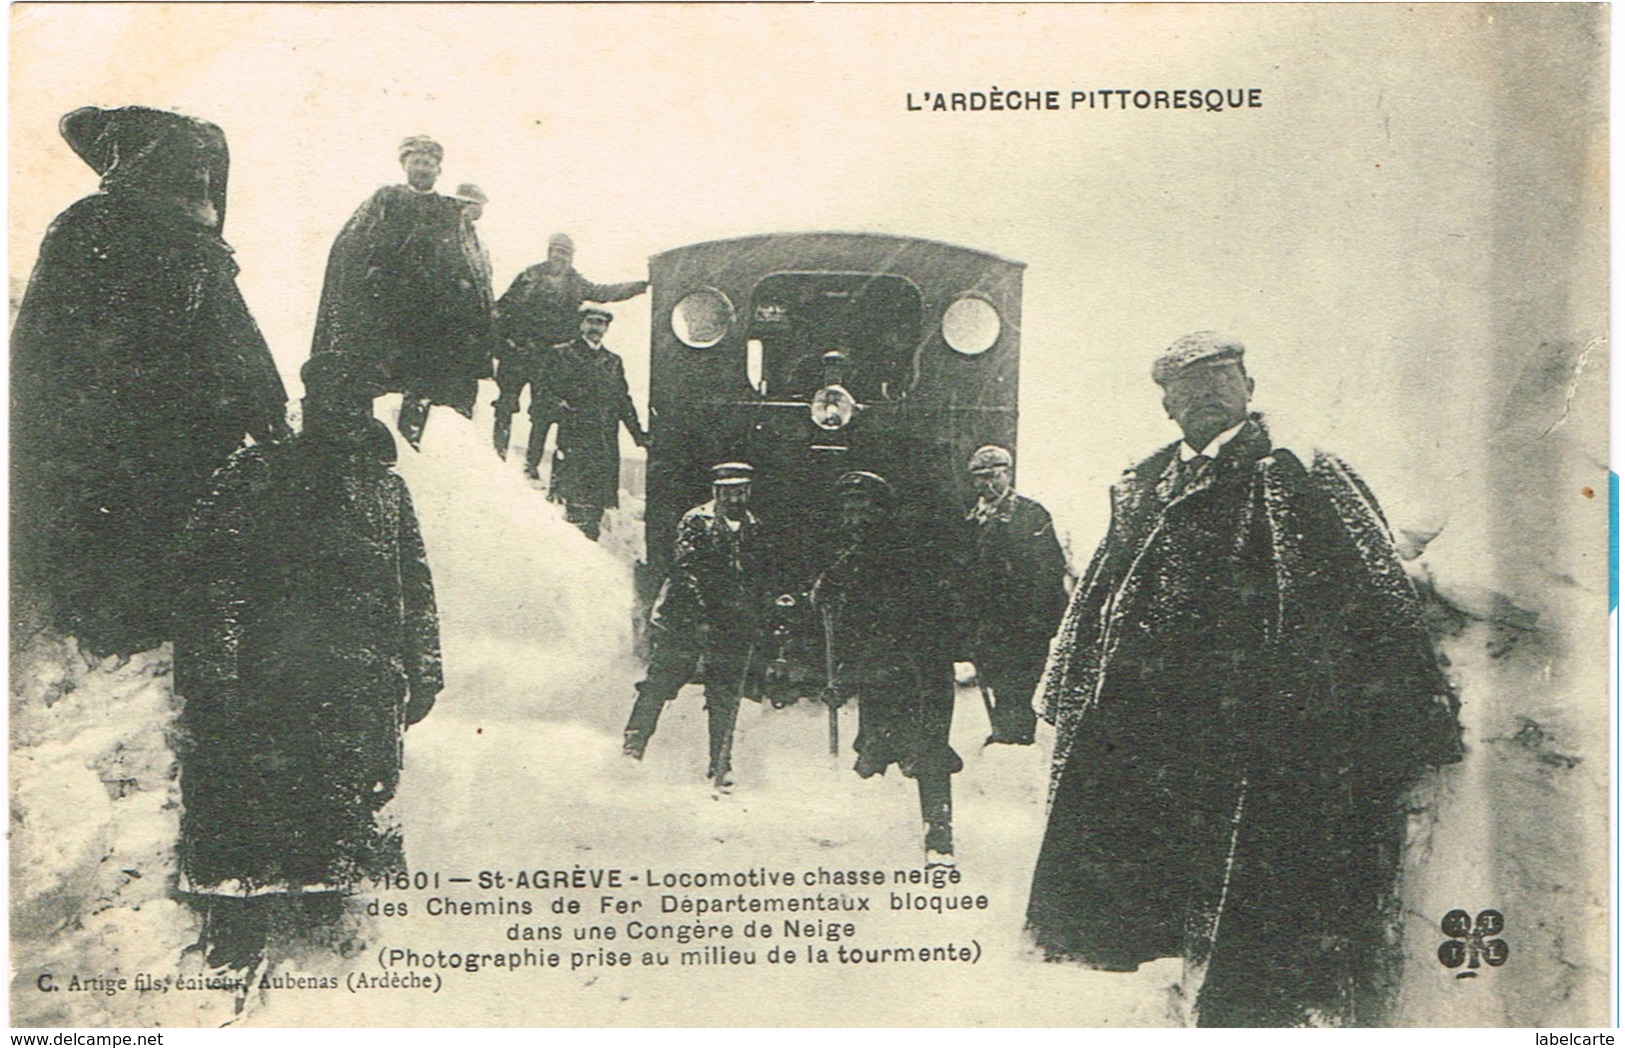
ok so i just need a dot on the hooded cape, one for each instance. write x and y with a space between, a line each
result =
136 370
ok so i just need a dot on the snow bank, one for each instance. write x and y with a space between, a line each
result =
519 767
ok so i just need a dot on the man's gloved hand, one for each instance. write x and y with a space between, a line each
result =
418 706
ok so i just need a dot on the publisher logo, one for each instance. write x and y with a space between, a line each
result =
1473 941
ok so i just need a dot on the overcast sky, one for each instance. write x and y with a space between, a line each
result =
1358 230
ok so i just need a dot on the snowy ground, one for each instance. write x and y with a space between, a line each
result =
519 768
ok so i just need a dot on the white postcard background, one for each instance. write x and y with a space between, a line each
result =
1409 235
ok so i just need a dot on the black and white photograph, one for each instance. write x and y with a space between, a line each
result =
880 515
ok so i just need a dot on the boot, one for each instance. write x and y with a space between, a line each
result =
502 434
640 727
413 419
322 907
534 448
1013 725
235 932
937 809
589 519
869 764
721 722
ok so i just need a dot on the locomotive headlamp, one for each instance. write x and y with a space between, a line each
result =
832 407
971 325
702 318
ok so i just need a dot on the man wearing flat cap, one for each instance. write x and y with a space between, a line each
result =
890 649
540 310
307 643
406 286
1015 592
1242 693
583 386
473 199
709 607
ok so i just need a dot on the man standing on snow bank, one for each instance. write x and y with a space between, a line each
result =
136 370
308 645
406 288
709 607
1242 693
541 310
473 199
586 390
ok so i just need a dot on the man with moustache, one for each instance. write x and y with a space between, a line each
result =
585 389
709 607
1015 593
1242 692
406 287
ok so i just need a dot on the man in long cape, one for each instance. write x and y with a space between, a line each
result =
406 287
136 370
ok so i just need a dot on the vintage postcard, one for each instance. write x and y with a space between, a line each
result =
876 515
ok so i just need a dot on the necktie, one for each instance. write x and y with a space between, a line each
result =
1194 471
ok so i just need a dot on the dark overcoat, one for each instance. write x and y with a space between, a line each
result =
586 389
405 286
310 623
1016 584
136 370
889 639
714 586
541 308
1242 691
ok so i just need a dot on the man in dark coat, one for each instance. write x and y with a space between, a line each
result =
406 287
1015 593
136 371
540 310
1242 693
473 199
586 391
709 607
308 644
889 645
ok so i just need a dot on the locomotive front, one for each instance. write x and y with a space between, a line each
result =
808 355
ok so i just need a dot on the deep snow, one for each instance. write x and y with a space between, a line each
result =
519 767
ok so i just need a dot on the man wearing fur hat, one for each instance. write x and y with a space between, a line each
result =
405 287
1242 693
540 310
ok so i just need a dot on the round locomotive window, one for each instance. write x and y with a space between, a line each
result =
971 325
701 318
